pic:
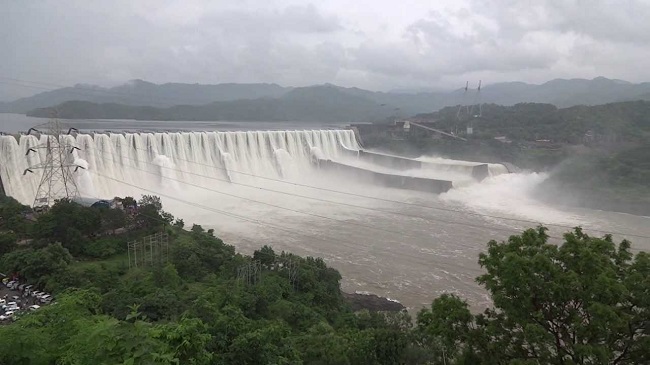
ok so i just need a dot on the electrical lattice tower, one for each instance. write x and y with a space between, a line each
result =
57 181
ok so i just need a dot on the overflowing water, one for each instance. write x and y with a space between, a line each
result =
155 160
262 187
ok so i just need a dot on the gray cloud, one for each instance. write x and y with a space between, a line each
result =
371 44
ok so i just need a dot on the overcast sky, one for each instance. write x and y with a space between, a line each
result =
373 44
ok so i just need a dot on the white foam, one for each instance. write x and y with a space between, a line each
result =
510 195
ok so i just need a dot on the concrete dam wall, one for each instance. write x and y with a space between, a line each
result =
478 171
389 180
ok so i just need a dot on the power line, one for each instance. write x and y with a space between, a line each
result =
313 214
510 230
14 80
357 195
350 244
292 264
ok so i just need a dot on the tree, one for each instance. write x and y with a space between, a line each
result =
12 216
197 228
265 255
189 338
112 219
129 202
37 265
69 223
584 302
445 327
150 213
7 242
151 200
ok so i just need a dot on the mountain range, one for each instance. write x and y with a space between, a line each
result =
139 99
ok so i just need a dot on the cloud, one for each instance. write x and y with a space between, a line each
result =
374 44
503 40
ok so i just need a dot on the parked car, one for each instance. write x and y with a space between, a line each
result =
34 307
9 284
6 316
46 298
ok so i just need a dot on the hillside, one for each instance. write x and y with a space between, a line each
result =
622 121
138 92
559 92
312 104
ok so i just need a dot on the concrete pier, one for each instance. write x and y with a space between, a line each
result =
479 171
393 181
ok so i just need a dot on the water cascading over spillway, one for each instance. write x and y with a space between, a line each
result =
162 161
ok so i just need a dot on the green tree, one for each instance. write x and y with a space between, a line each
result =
37 265
151 216
112 219
445 328
583 302
152 200
265 255
8 242
69 223
13 216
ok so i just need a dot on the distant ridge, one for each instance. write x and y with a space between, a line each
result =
143 93
311 104
232 99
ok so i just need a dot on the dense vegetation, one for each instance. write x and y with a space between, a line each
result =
611 124
586 301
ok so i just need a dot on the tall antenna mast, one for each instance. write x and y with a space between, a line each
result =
57 181
462 104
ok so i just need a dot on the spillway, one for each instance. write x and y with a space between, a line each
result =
136 158
115 164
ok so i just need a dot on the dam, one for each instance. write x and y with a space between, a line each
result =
136 159
407 229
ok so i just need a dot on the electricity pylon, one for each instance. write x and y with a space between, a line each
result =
57 181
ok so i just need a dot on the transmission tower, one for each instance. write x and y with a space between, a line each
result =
152 250
57 181
472 111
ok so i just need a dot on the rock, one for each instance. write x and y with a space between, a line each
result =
372 303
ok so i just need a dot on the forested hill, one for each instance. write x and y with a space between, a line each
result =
321 104
562 93
613 122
